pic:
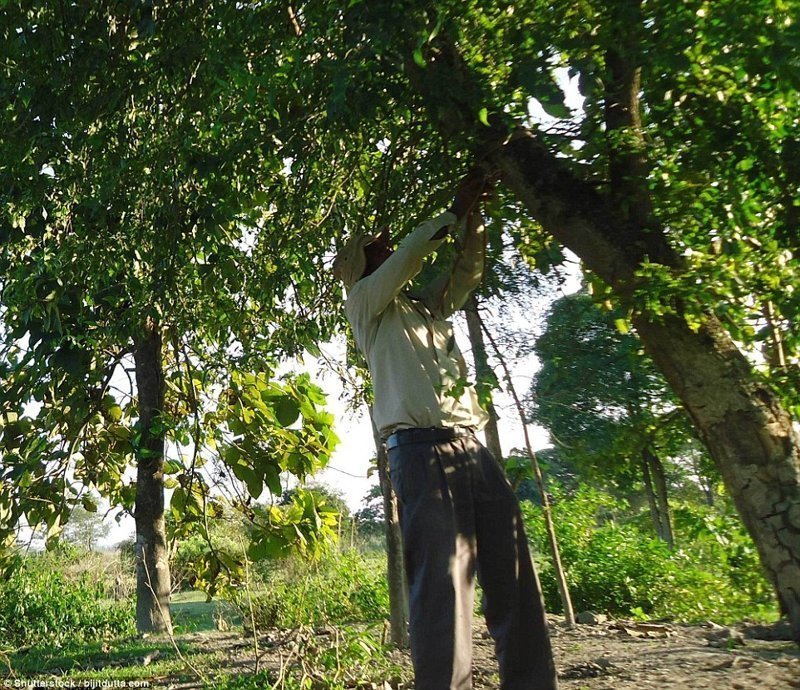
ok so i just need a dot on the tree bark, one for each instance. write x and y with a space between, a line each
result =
395 563
483 372
152 562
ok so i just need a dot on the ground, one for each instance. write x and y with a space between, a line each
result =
631 656
606 655
628 656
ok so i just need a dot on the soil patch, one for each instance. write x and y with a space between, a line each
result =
622 655
610 655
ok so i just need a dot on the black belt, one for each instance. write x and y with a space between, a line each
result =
426 435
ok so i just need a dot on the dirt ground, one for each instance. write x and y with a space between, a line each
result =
624 655
627 656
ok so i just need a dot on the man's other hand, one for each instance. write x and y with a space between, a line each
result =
470 190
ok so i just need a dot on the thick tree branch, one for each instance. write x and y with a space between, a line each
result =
628 163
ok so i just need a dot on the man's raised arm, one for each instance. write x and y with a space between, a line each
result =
373 293
447 293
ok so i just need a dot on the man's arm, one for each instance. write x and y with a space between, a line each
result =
469 192
446 294
373 293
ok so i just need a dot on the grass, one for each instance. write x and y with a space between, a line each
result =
222 661
192 613
122 658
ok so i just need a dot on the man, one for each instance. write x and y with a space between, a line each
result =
456 506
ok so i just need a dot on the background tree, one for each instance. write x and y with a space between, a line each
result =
370 517
85 528
608 410
135 188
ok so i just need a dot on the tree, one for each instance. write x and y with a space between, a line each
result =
86 527
140 147
671 186
370 517
607 408
675 184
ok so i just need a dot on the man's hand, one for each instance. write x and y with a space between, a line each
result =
469 192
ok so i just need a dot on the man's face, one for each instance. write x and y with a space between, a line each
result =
378 251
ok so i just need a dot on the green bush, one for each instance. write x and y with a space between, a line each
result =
344 587
41 605
615 564
717 561
184 560
210 562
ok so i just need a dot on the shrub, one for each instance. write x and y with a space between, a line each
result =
184 560
615 564
344 587
717 561
41 605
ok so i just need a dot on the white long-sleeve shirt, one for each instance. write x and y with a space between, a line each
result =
418 373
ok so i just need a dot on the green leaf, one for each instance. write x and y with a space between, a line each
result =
287 410
252 479
178 502
556 109
257 550
71 359
273 480
268 546
172 467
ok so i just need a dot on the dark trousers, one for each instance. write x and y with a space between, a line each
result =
457 511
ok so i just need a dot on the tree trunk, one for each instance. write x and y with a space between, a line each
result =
741 421
395 565
484 373
748 433
773 349
655 516
659 480
152 563
705 485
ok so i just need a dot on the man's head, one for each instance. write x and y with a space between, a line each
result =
363 254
